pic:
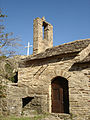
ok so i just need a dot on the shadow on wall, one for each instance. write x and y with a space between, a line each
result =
79 66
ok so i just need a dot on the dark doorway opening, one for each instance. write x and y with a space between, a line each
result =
60 95
26 100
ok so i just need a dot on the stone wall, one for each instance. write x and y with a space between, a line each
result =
34 82
38 77
42 35
16 103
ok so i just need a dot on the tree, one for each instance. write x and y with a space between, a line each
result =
6 41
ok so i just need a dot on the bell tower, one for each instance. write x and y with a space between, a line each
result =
42 35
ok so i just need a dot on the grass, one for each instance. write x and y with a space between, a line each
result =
38 117
14 118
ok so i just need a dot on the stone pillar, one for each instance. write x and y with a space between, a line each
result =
42 35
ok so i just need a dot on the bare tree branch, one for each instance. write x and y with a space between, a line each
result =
6 41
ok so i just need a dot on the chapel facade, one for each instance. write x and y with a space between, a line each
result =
53 79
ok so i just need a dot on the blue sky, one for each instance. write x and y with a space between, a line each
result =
70 19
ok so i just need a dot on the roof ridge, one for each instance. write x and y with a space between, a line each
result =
71 42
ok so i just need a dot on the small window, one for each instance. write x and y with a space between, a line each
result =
26 101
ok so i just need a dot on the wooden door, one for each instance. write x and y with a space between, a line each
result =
57 97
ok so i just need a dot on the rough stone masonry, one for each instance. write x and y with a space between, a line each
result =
53 80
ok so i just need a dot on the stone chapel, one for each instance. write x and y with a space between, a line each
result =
52 79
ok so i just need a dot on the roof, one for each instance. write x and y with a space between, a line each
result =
71 47
86 59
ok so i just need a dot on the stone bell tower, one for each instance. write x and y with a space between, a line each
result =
42 35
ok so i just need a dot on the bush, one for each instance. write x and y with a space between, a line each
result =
9 72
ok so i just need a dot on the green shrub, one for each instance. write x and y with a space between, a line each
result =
9 72
3 57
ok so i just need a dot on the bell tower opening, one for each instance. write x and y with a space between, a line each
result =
45 26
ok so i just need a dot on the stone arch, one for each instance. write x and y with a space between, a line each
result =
62 73
59 95
58 73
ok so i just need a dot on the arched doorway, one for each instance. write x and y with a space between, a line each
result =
60 95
